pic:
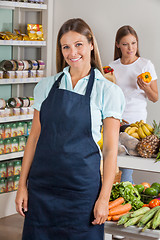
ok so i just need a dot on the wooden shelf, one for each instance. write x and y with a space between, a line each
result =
22 43
19 80
12 5
9 156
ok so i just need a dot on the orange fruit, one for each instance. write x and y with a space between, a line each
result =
145 184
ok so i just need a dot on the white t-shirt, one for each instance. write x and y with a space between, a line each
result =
126 79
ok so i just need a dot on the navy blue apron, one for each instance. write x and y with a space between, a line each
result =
64 179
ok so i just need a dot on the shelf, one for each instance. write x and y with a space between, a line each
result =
139 163
22 43
19 80
131 232
8 4
7 204
16 118
11 155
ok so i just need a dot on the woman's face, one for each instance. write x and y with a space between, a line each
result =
76 49
128 46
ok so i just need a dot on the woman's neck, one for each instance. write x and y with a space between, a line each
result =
77 74
126 61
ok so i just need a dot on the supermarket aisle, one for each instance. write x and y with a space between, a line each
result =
11 227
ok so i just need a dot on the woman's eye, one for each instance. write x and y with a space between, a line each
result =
65 47
78 44
134 43
124 44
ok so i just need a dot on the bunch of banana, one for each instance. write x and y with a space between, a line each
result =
139 129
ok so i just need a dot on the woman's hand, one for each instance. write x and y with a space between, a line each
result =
150 89
144 86
22 200
100 211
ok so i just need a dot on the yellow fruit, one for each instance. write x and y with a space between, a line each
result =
132 130
126 130
141 133
134 125
145 130
150 128
135 135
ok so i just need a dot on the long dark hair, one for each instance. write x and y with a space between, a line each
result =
80 26
122 32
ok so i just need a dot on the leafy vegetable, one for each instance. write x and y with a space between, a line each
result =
128 192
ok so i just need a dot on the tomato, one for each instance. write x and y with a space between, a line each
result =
146 205
139 187
156 185
151 191
146 185
154 203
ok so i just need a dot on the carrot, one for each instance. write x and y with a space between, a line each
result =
109 218
117 217
116 202
120 209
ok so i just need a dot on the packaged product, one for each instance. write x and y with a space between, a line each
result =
2 113
16 182
1 74
22 143
26 65
3 186
25 101
7 145
18 74
2 103
1 131
1 147
10 184
23 111
29 125
7 130
8 112
20 65
14 131
17 167
6 65
3 169
4 36
31 99
9 74
30 110
14 143
14 64
16 111
11 36
20 128
35 32
39 73
21 36
41 65
14 102
32 73
10 169
25 74
34 64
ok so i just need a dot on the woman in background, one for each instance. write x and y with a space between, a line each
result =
60 186
127 66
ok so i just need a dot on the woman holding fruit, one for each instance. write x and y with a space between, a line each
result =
136 77
60 186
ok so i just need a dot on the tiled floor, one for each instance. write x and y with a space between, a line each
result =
11 227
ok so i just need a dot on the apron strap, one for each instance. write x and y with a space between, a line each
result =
57 83
90 83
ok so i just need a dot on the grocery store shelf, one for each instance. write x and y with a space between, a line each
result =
16 118
139 163
131 232
7 204
9 4
22 43
19 80
11 155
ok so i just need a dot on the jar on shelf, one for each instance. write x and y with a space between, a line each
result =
1 146
17 167
25 101
6 65
14 102
3 185
3 170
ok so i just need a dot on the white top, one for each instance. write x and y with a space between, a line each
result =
126 79
107 99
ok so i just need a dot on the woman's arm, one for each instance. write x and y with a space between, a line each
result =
150 89
22 194
110 148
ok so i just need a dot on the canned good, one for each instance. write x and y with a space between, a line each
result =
32 73
8 112
41 65
30 110
23 111
18 74
16 111
9 74
25 74
2 103
1 74
34 64
3 170
39 73
10 169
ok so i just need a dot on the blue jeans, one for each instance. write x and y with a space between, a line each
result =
126 175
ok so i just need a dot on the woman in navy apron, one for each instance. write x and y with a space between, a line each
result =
60 192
